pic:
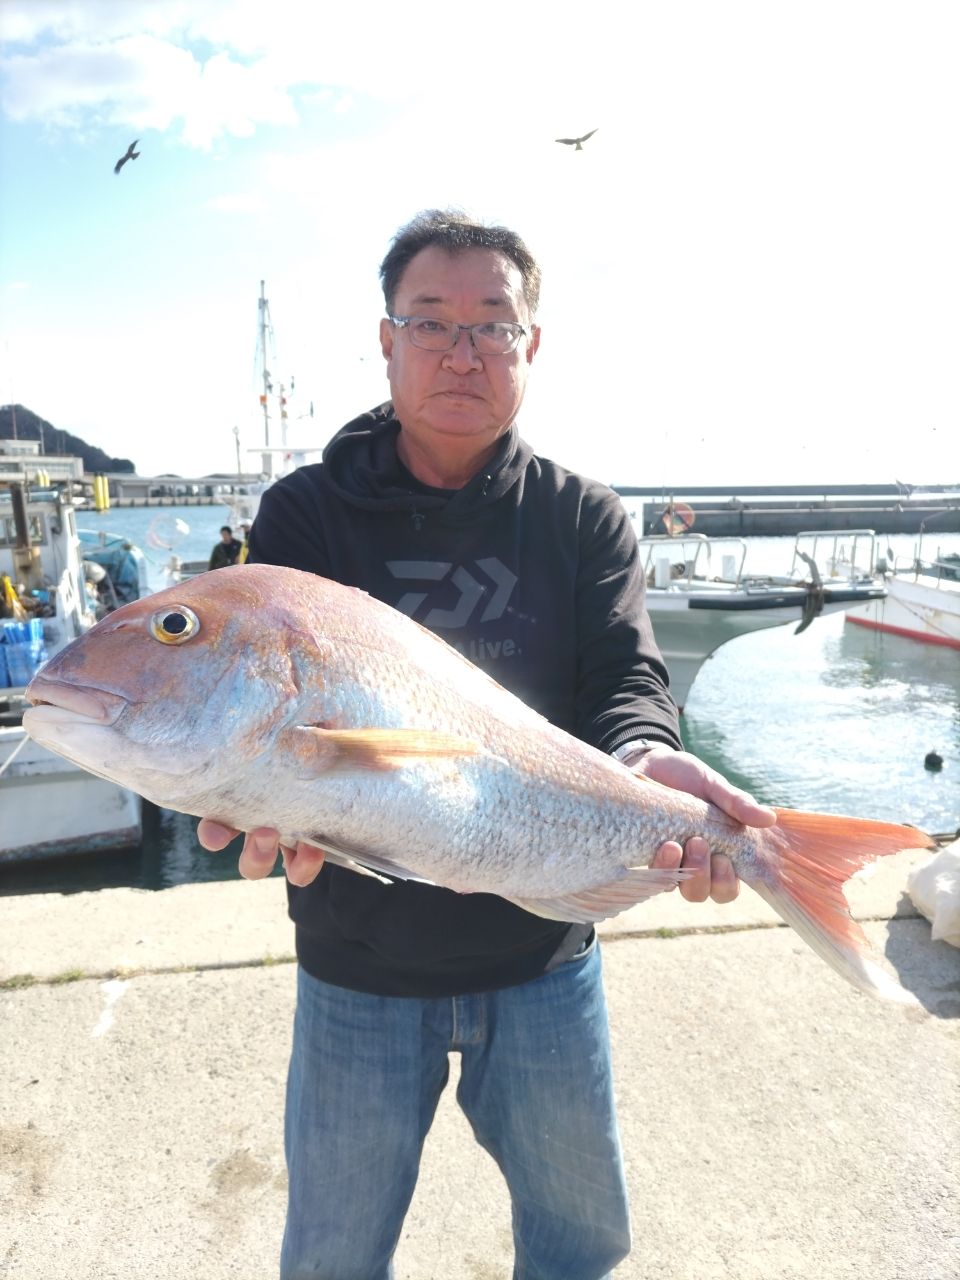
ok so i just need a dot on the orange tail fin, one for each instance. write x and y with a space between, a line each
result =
810 856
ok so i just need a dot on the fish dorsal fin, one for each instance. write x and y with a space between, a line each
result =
378 749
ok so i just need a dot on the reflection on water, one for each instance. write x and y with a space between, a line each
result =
168 854
868 656
839 718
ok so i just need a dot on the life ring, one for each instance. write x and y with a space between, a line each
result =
677 518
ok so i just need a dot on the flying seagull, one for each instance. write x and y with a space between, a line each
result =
575 142
131 155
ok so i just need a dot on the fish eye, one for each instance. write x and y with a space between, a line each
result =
174 625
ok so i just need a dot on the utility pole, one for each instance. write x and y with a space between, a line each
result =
236 438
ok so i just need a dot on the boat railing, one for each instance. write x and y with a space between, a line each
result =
822 555
941 569
692 557
848 554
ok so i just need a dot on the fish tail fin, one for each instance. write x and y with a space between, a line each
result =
809 858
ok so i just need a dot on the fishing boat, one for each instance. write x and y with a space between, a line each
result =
922 600
55 586
700 594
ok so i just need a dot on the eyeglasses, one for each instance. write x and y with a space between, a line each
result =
491 338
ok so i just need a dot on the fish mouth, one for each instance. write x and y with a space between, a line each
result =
49 699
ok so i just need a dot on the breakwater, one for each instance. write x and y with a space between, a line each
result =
770 511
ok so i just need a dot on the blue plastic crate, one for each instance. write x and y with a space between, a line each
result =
23 632
24 661
4 678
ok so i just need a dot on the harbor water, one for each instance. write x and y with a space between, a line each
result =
838 718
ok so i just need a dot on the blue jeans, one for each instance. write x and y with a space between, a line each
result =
366 1073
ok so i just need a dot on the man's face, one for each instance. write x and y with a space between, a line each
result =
225 535
444 398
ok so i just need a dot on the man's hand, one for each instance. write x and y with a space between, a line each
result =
259 854
714 876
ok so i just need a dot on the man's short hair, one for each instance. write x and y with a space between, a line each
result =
454 231
225 528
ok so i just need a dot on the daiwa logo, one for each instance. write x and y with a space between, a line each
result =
473 591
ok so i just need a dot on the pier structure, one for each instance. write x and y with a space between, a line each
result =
772 510
130 490
24 461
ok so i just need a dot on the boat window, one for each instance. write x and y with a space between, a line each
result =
8 531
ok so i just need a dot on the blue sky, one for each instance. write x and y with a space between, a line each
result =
751 270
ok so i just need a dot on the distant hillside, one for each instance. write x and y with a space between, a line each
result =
30 427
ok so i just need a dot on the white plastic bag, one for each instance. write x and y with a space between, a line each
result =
934 887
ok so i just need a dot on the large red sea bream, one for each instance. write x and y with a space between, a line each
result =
262 696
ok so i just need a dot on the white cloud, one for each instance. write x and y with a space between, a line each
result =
225 66
28 21
146 83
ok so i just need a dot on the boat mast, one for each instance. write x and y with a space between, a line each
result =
267 386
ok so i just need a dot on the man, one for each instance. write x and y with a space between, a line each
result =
434 504
225 552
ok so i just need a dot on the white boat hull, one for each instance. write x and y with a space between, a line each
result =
689 627
916 609
50 807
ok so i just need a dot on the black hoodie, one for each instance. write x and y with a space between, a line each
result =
533 573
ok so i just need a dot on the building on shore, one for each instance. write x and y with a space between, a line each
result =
129 490
19 458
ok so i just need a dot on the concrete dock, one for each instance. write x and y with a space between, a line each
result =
777 1124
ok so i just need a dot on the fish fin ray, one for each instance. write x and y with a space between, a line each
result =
810 856
363 862
381 749
599 902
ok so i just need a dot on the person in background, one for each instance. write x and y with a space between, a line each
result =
434 504
245 547
226 550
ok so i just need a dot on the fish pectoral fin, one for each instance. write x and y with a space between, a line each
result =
377 749
605 900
